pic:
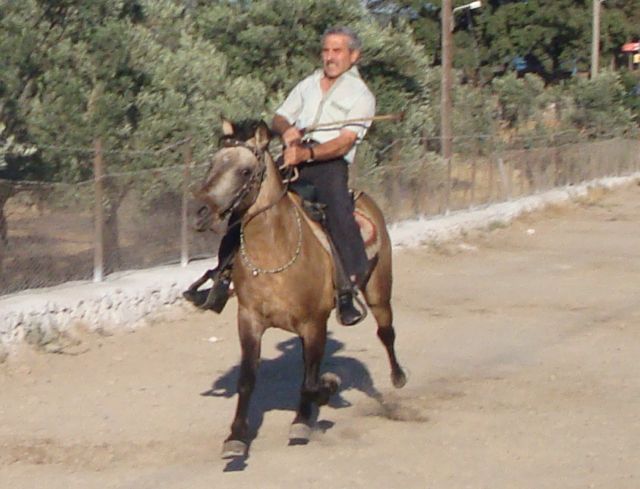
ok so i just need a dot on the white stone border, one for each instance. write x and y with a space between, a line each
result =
123 299
443 228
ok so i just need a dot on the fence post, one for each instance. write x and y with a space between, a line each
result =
98 179
447 189
492 179
474 179
506 181
184 230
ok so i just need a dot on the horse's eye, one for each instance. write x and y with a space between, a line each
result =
246 172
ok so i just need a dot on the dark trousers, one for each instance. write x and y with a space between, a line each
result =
331 180
230 242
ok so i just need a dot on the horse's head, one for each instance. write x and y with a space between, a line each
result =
235 173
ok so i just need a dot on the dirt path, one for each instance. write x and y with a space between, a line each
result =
523 350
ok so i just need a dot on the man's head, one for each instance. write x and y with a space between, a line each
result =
340 50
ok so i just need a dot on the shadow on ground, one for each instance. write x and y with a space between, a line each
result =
279 381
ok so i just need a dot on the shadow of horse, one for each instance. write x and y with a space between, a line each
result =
279 380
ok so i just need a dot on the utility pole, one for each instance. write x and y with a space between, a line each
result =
595 40
446 105
98 239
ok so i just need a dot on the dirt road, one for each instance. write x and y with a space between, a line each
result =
522 344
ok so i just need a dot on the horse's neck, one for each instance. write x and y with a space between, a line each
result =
272 187
271 214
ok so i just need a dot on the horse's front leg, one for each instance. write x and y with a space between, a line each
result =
315 389
236 445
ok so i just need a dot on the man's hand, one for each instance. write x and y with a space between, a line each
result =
292 136
296 154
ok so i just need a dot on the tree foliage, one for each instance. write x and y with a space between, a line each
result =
549 37
142 74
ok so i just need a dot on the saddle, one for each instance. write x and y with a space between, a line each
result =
304 195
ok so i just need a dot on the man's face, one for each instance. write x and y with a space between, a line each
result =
336 55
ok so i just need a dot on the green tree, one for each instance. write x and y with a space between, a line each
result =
599 106
519 99
23 43
552 36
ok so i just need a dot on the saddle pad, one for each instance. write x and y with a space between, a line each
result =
368 229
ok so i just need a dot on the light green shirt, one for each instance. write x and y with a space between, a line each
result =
348 98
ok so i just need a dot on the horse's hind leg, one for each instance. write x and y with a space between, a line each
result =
237 443
378 296
387 335
377 291
315 389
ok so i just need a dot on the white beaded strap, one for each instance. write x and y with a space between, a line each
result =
255 270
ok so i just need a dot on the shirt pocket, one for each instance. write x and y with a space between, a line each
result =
335 111
340 107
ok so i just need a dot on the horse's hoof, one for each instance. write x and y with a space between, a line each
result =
331 382
234 448
399 379
299 434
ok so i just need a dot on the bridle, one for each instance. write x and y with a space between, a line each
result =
290 174
256 178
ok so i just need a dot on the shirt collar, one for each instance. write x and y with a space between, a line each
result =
351 72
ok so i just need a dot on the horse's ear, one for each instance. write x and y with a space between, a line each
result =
227 127
262 135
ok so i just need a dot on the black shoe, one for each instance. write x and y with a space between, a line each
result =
196 297
218 295
348 315
213 299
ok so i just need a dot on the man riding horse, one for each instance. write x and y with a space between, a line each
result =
324 100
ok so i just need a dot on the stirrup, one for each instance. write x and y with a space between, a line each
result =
196 296
214 298
218 294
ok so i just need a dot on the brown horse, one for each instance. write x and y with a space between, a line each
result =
283 276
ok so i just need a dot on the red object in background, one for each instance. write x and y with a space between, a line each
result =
631 47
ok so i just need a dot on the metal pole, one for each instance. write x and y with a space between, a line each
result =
184 230
595 40
446 105
98 175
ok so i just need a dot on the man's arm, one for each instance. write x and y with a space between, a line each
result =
334 148
289 133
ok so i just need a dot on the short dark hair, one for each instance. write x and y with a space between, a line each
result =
355 44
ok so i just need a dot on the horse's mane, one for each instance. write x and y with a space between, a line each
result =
245 129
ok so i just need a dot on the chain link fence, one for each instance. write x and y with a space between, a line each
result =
49 232
485 171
